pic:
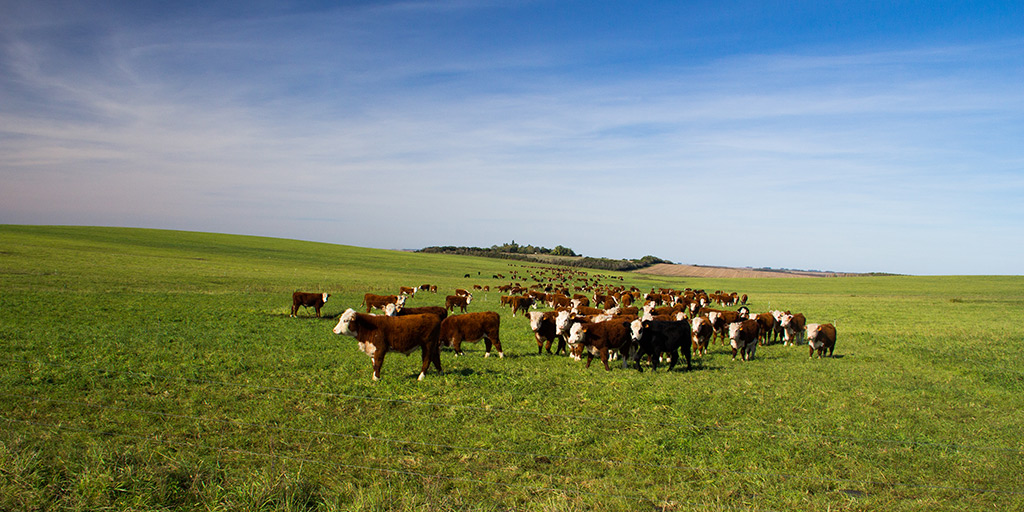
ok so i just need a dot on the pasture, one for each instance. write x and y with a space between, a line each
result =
148 370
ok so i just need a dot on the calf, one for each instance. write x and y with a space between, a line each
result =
544 330
701 330
793 327
308 300
378 335
381 301
821 337
656 337
453 301
600 338
743 338
472 327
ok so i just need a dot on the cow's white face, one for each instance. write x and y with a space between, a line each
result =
813 331
637 328
401 301
648 308
744 312
390 310
647 316
535 318
345 323
777 314
734 331
785 320
713 316
469 298
576 334
562 321
325 297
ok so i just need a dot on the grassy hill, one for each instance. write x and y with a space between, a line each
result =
147 369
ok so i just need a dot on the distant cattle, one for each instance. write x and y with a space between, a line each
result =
454 301
308 300
821 337
378 335
472 327
380 301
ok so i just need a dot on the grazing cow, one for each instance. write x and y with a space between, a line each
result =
821 337
381 301
598 338
433 288
743 338
793 327
453 301
556 300
378 335
701 330
542 323
406 290
308 300
505 300
472 327
462 293
392 310
656 337
425 287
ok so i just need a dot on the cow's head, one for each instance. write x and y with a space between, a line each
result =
346 324
735 329
325 297
390 310
562 321
535 319
400 302
577 334
636 327
744 312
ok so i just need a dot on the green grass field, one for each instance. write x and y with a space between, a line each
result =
159 370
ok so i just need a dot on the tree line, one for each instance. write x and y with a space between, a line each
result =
514 251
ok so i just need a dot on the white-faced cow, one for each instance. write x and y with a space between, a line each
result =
472 327
308 300
378 335
793 327
743 338
702 331
598 338
821 337
455 301
542 323
381 301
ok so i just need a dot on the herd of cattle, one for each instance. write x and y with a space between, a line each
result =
667 324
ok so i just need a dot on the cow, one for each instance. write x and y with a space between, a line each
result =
472 327
505 300
743 338
522 303
598 338
378 335
406 290
720 321
381 301
453 301
793 327
426 287
765 326
656 337
701 330
542 323
308 300
393 310
462 293
821 337
556 300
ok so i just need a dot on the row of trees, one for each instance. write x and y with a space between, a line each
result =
514 251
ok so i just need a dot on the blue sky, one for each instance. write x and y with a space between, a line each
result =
848 136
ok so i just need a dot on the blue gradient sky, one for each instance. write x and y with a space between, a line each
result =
848 136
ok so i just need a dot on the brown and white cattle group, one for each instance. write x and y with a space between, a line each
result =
666 325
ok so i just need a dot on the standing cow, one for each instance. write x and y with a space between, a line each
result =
308 300
378 335
821 337
472 327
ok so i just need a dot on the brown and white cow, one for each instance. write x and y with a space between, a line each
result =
454 301
308 300
821 337
701 330
765 325
598 338
542 323
393 310
522 303
472 327
793 327
378 335
407 290
720 321
743 339
462 293
380 301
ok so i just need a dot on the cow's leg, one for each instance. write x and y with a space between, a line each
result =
378 361
435 356
497 345
318 311
457 345
425 352
604 358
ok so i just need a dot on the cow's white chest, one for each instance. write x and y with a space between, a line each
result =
368 348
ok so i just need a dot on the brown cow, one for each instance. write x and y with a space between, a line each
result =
453 301
542 323
381 301
308 300
701 330
378 335
522 303
743 338
406 290
392 310
793 327
821 337
472 327
598 338
720 320
765 326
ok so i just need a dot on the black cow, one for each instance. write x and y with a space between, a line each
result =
656 337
